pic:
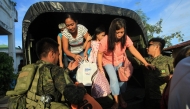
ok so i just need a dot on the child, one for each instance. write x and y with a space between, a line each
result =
98 35
62 56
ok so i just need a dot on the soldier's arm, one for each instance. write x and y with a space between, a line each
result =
170 69
61 78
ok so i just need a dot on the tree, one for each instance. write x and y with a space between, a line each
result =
156 29
6 72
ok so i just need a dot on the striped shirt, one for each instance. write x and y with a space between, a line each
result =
76 44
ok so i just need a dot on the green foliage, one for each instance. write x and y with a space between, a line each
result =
6 72
177 35
153 30
143 16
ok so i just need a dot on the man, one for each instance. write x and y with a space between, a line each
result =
20 65
52 83
156 79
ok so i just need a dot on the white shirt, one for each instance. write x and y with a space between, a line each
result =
76 44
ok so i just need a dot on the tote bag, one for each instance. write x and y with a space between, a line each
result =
100 85
85 71
126 70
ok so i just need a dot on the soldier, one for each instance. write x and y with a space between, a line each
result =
156 79
20 65
53 83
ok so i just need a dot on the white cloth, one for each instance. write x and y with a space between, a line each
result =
85 72
76 44
179 95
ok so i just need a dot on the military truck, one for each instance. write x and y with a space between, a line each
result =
42 19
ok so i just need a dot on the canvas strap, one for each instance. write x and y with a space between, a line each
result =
31 94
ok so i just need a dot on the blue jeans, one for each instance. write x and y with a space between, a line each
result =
116 86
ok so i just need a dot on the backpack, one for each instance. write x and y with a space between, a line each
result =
18 97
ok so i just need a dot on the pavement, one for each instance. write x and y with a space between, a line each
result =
3 102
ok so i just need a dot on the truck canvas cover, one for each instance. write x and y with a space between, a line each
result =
42 19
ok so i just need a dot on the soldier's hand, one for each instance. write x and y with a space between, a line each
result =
72 65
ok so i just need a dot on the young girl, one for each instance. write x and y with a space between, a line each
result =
98 35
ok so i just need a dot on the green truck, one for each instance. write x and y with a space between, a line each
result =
42 19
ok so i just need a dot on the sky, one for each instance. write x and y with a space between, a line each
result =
175 15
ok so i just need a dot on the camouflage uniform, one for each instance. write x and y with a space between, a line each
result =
52 83
155 79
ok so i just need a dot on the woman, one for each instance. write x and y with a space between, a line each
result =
61 26
73 39
74 45
110 56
